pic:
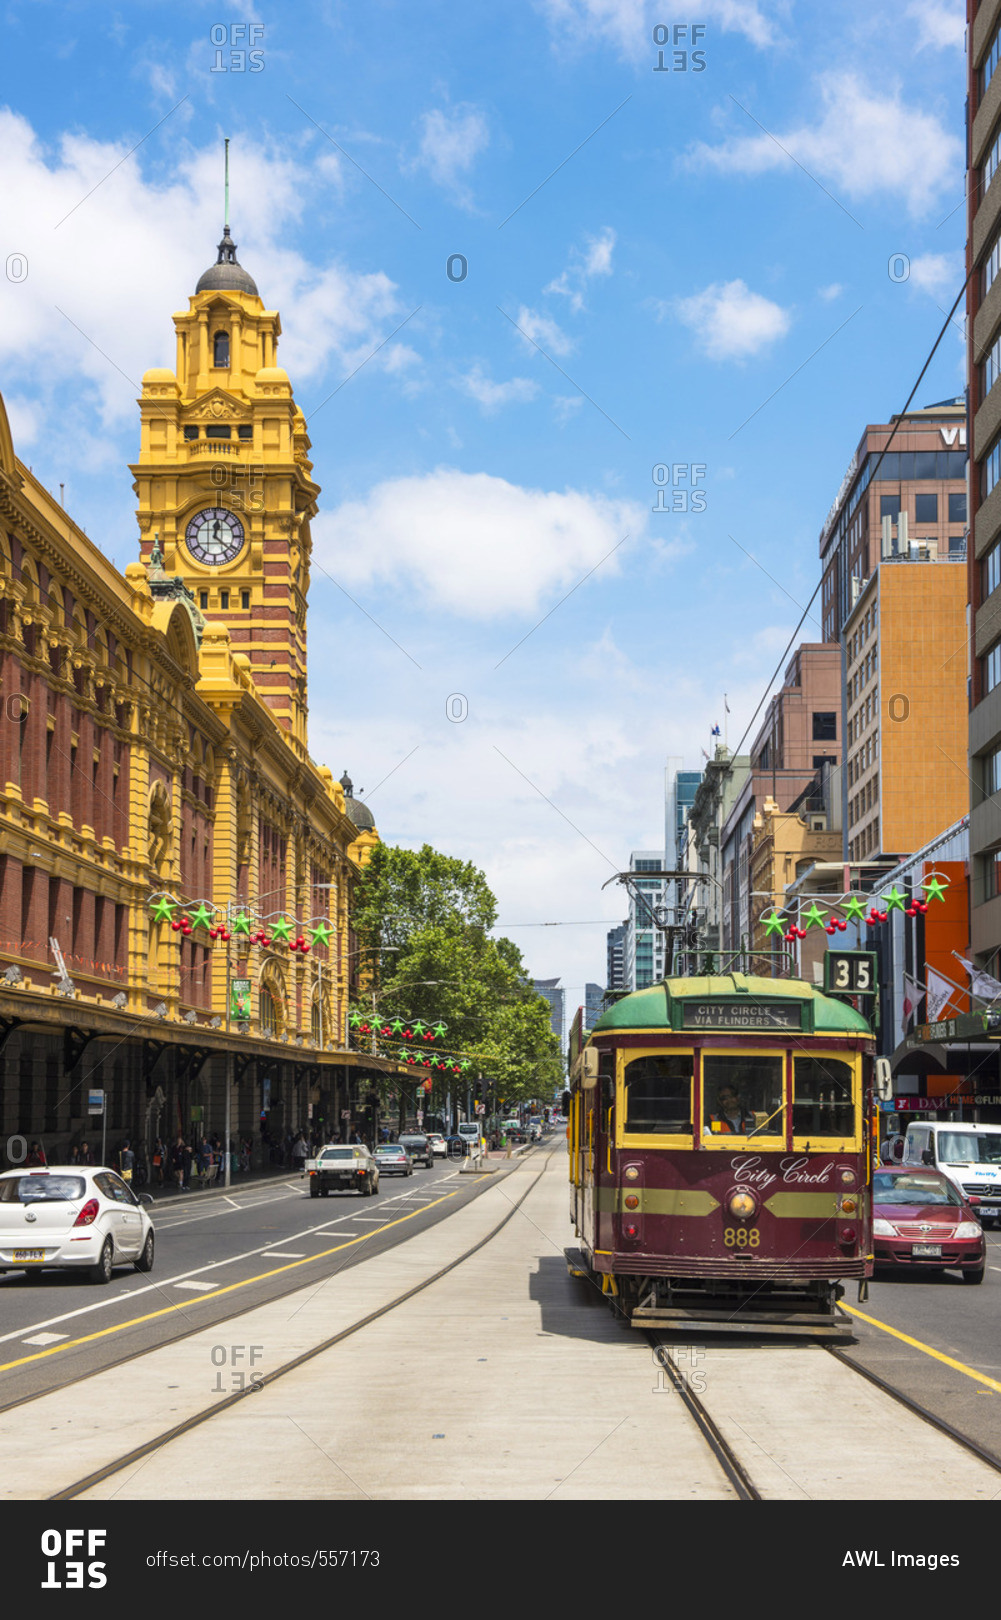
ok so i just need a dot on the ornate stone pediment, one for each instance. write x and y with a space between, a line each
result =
216 407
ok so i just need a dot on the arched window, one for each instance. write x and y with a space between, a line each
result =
220 349
269 1013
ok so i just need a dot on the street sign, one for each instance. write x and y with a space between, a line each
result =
850 973
95 1102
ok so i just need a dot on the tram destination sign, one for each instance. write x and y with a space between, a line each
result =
742 1015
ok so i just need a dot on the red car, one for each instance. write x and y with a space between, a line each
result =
920 1220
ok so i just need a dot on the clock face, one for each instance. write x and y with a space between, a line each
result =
214 536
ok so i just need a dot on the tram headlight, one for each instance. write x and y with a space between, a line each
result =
631 1172
848 1178
742 1205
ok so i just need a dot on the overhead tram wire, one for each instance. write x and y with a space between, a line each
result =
872 477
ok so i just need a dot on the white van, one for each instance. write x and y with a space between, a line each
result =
470 1132
970 1155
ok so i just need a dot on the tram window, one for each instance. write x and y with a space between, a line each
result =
823 1102
742 1094
659 1093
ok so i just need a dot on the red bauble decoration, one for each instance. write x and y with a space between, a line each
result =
831 928
175 926
842 924
790 936
305 949
185 929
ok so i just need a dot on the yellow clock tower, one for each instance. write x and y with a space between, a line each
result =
223 481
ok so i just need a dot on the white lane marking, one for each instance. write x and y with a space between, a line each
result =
201 1288
45 1338
284 1254
129 1294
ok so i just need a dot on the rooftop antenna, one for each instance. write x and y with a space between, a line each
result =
226 203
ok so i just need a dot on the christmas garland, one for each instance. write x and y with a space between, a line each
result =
854 910
222 926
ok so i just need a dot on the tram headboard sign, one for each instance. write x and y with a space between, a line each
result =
850 973
746 1014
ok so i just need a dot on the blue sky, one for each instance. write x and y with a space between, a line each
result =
679 269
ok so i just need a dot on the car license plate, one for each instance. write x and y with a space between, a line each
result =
29 1254
929 1250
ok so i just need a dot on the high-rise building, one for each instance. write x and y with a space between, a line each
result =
983 309
594 1004
906 709
912 503
644 941
798 741
556 997
615 945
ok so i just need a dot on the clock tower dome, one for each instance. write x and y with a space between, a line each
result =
223 480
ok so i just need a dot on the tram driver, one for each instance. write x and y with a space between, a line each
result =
729 1116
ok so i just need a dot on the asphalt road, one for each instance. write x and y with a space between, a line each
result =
217 1255
938 1313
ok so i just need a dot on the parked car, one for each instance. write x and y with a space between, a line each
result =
457 1147
921 1221
343 1169
418 1146
73 1218
394 1160
438 1148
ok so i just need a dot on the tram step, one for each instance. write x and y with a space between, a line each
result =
576 1264
802 1324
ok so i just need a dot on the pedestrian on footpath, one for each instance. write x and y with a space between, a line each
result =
300 1153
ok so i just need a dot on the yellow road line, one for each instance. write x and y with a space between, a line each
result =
959 1366
200 1299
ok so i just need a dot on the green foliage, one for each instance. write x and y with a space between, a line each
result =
423 918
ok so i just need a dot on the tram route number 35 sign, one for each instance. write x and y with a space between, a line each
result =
850 973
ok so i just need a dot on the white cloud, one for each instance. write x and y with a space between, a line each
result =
864 144
833 291
628 24
451 141
594 260
470 543
731 322
111 254
941 23
940 274
492 395
541 330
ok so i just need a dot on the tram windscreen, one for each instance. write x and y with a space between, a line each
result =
742 1094
659 1094
823 1100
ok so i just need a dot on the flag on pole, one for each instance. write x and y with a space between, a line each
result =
912 996
981 984
726 704
715 731
939 992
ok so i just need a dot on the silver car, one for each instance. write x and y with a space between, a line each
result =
72 1218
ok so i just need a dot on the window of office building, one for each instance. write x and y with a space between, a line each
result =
926 508
992 874
957 506
889 506
991 768
825 726
991 161
990 470
991 662
991 566
990 62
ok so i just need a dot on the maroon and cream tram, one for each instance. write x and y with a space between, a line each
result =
719 1135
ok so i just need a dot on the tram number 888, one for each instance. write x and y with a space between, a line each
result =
741 1237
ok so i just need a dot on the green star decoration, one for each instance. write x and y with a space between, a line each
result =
854 909
439 1030
242 923
934 890
815 917
320 933
894 901
774 924
418 1028
162 909
355 1019
282 930
201 917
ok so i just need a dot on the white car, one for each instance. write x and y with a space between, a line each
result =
73 1218
438 1148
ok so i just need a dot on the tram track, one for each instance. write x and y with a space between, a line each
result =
983 1454
139 1454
